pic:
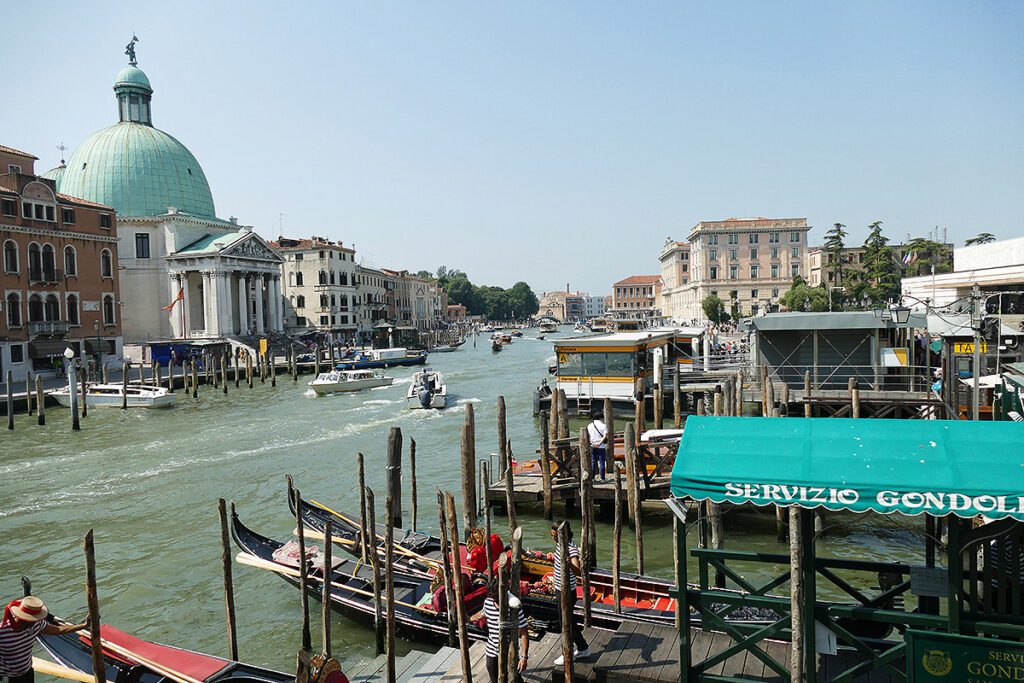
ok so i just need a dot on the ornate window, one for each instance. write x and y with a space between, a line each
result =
70 261
51 308
298 279
72 303
35 308
108 309
35 262
13 310
106 264
49 264
10 256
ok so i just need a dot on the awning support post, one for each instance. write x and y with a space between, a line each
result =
803 657
955 571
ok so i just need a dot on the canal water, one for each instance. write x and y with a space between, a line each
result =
148 482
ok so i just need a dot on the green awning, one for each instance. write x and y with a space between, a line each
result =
888 466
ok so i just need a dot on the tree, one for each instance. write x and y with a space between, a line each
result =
714 308
461 291
803 297
425 275
880 280
981 238
734 304
833 247
496 303
523 301
923 253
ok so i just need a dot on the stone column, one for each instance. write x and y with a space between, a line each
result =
208 309
225 320
243 304
214 323
259 304
176 312
186 307
278 303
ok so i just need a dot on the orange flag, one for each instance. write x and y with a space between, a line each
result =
180 297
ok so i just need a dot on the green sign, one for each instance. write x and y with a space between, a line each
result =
933 657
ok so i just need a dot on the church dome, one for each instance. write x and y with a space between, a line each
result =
140 171
132 166
56 173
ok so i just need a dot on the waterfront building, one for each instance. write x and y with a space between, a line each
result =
820 264
60 279
593 307
399 296
221 277
637 296
747 262
456 313
675 276
997 267
319 286
372 299
567 306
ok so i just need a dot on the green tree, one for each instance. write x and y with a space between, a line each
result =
734 304
714 308
980 238
834 245
880 280
523 301
496 303
461 291
926 253
803 297
425 274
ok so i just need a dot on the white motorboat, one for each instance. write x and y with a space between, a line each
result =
349 380
427 390
112 395
548 326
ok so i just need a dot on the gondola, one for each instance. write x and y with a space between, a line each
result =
643 598
352 589
74 652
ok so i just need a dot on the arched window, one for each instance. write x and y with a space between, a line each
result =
300 301
35 262
291 279
49 263
11 256
70 261
35 309
343 279
323 277
106 264
298 279
332 276
13 310
73 317
108 309
51 308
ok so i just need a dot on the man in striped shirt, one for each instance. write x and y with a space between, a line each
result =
493 616
22 622
581 648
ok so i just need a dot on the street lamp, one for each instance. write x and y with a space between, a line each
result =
830 290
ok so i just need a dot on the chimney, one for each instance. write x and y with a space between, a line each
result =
566 287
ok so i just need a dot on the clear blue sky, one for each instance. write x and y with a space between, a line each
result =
552 142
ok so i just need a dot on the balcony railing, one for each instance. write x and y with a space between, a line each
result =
48 275
51 328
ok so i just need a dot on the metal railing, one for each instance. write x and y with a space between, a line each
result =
50 327
837 377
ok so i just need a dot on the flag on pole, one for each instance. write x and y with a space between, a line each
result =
179 297
909 257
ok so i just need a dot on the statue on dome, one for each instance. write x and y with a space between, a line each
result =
130 50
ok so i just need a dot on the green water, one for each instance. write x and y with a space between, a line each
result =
148 483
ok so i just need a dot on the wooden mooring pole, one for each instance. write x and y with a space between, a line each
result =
807 393
325 589
389 582
485 474
229 590
412 478
502 437
378 617
10 400
195 381
125 370
28 392
40 402
300 530
224 372
99 667
364 535
460 604
468 473
564 605
617 539
545 464
446 566
394 474
586 510
677 406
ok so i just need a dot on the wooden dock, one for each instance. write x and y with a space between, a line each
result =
530 489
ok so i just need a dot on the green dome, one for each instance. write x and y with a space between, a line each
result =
55 174
139 170
133 76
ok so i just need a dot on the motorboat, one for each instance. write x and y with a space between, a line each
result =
548 326
427 390
337 381
381 358
495 344
112 395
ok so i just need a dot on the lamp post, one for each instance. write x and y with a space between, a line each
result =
99 353
69 355
830 290
976 320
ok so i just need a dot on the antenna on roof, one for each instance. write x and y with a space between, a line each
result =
280 224
62 149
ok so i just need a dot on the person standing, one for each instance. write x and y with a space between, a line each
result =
571 564
493 616
597 431
22 623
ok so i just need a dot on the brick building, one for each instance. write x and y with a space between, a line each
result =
637 296
60 279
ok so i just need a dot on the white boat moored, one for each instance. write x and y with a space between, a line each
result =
112 395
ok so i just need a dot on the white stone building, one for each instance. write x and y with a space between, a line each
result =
320 286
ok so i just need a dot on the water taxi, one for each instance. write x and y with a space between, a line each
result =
548 326
599 325
349 380
112 395
427 390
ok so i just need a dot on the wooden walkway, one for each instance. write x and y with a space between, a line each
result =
530 489
414 667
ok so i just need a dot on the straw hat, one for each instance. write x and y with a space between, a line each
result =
30 609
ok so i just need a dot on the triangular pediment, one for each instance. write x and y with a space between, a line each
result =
252 246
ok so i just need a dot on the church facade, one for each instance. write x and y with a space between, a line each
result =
185 273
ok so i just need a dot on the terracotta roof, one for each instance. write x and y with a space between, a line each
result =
82 202
17 152
304 244
640 280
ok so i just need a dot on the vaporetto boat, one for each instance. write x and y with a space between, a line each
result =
112 395
349 380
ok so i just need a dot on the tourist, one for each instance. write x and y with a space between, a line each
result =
598 433
23 621
493 616
571 564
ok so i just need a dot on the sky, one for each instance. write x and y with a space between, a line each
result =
556 143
